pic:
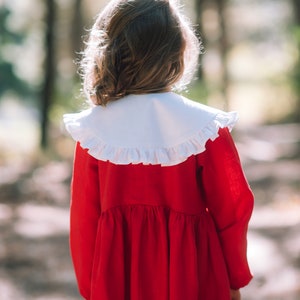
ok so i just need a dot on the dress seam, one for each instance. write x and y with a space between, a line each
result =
204 211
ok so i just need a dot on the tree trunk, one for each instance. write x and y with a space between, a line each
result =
47 89
296 4
77 28
198 10
223 50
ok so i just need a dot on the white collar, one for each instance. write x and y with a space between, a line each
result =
162 128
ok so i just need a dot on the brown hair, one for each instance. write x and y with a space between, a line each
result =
138 47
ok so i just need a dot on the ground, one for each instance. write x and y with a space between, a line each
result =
34 255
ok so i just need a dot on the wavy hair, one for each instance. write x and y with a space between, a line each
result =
138 47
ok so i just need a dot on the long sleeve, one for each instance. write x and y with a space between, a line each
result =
84 215
230 202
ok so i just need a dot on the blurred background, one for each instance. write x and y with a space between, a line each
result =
251 64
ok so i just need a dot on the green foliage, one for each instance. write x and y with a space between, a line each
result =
197 91
8 36
67 101
9 80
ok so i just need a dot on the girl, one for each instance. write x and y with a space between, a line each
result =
160 205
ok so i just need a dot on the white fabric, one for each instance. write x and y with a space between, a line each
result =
162 128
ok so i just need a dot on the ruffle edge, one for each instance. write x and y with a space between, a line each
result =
165 156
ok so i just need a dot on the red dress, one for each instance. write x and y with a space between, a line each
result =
149 231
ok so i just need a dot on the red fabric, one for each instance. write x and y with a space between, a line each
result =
146 232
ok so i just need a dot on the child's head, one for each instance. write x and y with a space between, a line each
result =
138 47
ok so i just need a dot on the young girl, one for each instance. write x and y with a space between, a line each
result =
160 205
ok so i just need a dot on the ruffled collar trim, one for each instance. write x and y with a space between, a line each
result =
162 128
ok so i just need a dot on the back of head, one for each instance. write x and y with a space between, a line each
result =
136 47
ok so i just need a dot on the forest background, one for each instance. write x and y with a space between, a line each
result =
251 64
